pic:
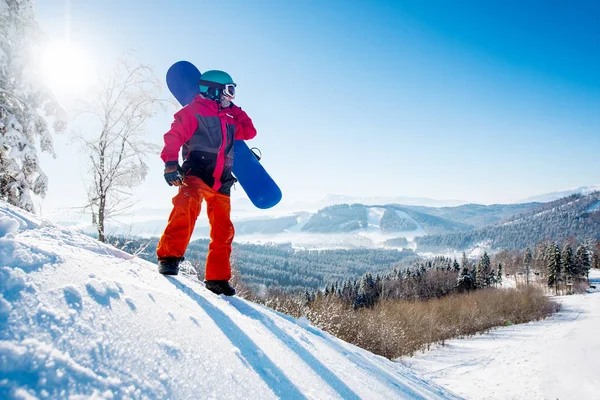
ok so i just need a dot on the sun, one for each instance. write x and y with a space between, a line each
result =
66 68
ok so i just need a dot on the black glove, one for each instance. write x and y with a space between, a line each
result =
174 174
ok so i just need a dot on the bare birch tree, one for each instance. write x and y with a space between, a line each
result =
116 152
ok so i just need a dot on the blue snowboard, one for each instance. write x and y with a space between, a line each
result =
182 80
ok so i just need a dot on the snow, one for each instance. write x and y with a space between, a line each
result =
594 207
376 237
479 248
80 319
420 231
551 359
8 225
374 215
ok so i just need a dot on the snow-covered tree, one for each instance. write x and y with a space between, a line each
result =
484 275
26 107
473 274
465 281
554 266
568 263
456 266
499 276
582 261
527 264
122 105
464 262
595 254
367 292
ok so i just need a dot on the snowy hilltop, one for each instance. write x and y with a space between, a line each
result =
79 318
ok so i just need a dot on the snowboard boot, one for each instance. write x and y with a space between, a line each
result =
169 265
220 287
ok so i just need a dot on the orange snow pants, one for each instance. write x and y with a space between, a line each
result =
186 208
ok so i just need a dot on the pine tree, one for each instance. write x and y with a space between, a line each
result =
499 277
594 250
527 264
24 104
568 265
492 277
554 266
366 295
582 261
465 281
456 266
464 262
307 296
473 274
483 271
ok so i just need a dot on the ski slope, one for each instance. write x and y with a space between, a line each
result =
80 319
375 234
556 358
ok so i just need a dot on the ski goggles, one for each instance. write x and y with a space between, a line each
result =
226 89
229 90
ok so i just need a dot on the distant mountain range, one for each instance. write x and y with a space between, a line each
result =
547 197
576 216
333 199
373 224
393 218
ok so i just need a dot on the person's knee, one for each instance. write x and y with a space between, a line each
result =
226 231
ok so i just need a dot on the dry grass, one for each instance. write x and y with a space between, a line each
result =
394 328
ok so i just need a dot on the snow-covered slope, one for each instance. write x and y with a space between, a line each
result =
551 359
79 319
374 215
374 233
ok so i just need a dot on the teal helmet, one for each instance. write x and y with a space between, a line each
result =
214 83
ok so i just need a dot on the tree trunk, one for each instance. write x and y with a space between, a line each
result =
100 189
101 210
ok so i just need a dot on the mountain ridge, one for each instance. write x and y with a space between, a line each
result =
556 195
575 216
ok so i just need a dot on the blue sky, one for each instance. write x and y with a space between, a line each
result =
475 100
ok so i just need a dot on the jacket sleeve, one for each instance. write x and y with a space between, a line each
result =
182 130
244 128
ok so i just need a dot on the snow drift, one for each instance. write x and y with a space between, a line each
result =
81 319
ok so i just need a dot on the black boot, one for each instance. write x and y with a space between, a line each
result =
220 287
169 265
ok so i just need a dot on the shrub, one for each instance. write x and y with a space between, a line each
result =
394 328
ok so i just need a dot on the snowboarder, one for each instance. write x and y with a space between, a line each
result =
206 129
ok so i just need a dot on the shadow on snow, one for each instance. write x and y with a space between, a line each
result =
264 367
375 370
321 370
